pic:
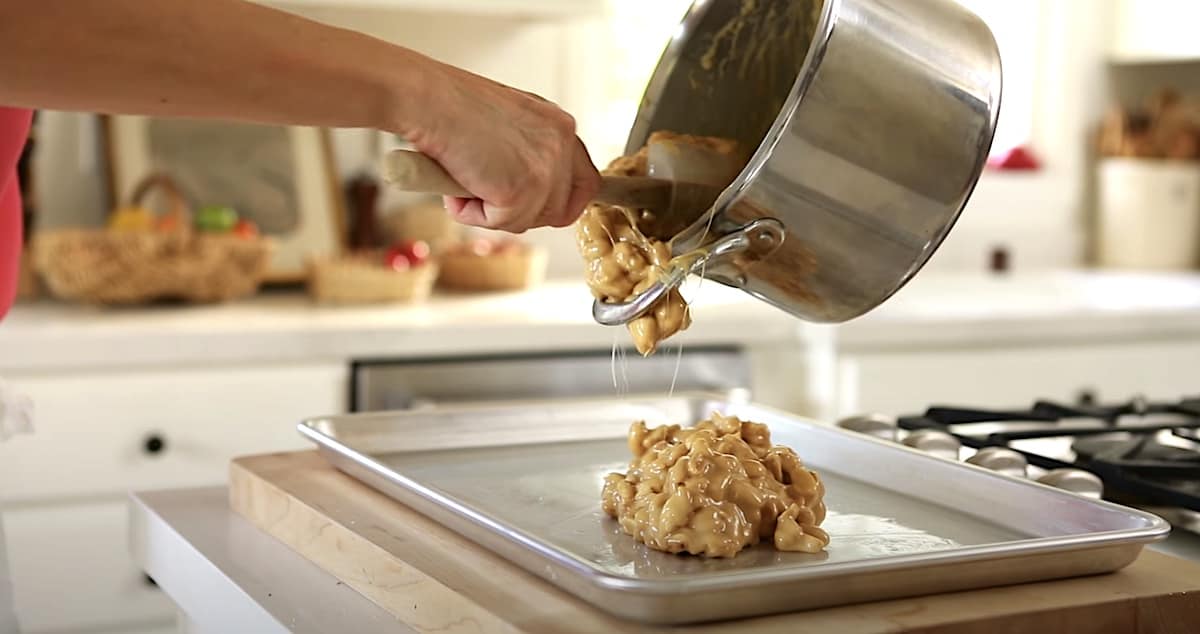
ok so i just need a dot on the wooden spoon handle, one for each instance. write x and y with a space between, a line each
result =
415 172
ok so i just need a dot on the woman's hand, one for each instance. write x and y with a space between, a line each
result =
516 152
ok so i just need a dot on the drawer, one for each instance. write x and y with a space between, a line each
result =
909 382
71 570
106 434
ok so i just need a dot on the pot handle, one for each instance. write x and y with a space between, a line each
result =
764 233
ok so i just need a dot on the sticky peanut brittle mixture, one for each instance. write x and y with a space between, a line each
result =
621 261
714 489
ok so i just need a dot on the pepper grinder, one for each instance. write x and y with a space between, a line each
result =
363 192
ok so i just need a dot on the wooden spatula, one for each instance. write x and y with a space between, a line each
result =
673 204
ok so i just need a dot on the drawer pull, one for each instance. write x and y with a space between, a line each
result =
154 444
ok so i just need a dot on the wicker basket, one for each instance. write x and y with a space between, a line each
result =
28 286
361 279
138 267
509 270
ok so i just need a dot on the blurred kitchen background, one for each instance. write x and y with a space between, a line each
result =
1072 275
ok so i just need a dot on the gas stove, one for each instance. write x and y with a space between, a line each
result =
1140 453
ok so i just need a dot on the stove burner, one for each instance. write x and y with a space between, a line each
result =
1141 454
934 442
1002 460
1145 451
1075 480
1192 434
1140 448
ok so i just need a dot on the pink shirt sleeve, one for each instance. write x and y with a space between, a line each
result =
14 130
10 243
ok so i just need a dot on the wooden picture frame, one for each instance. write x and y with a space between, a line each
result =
281 177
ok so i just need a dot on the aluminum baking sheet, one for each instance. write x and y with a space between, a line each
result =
524 480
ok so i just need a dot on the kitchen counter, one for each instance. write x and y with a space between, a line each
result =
227 576
289 327
937 309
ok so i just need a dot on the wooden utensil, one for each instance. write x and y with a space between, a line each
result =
666 199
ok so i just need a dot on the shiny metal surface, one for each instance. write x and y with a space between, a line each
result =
876 425
870 122
411 384
1076 481
1001 459
934 442
524 480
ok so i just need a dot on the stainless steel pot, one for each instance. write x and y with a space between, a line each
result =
872 121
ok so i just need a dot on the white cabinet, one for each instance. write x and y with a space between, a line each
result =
72 570
104 434
1156 30
100 435
907 382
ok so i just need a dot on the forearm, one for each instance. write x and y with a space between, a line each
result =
517 154
206 58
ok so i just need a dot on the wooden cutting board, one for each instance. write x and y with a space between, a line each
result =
435 581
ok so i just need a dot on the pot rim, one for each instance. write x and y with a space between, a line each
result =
766 147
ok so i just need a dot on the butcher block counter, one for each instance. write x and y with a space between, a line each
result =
345 554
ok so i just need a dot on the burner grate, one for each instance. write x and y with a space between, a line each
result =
1123 444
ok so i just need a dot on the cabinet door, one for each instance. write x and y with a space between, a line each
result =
909 382
107 434
71 570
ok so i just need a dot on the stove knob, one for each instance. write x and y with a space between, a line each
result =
1000 459
932 441
1076 481
876 425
